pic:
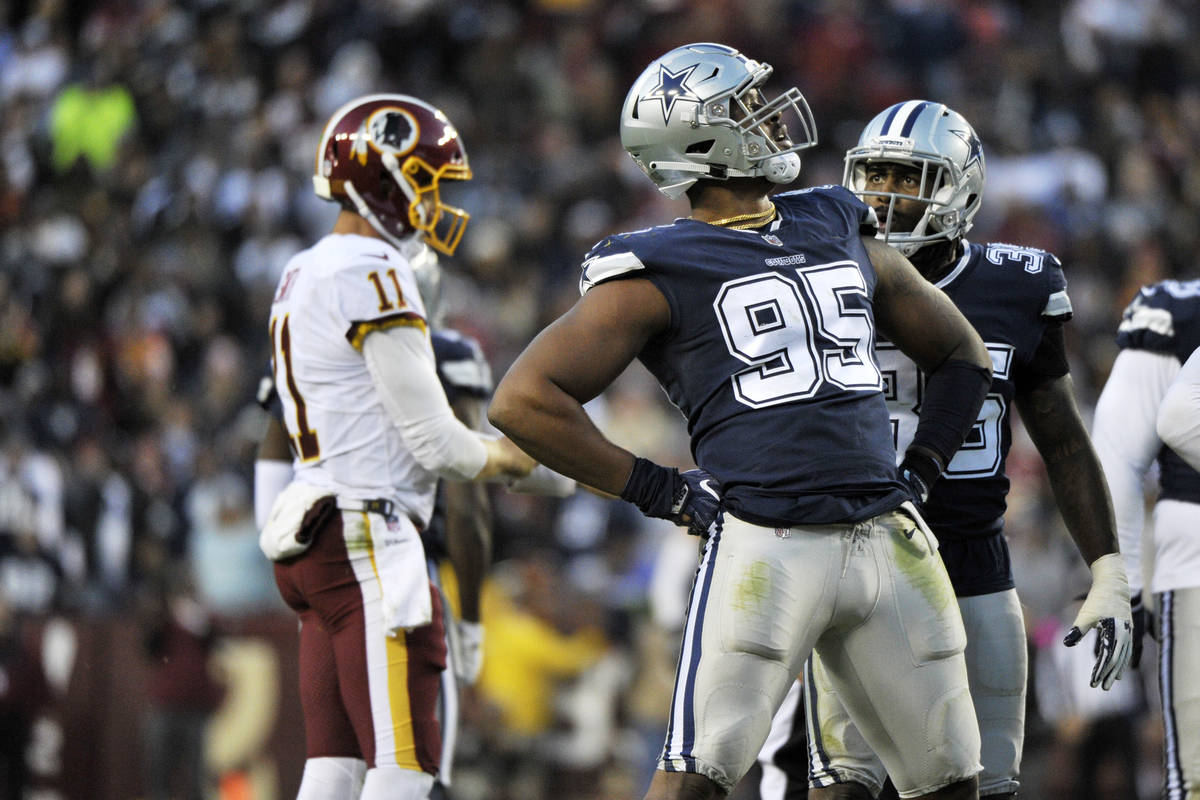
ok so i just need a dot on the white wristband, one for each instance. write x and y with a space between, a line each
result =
1109 595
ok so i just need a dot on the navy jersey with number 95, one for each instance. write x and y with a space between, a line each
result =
770 355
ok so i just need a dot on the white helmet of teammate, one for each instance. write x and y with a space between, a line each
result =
944 147
699 112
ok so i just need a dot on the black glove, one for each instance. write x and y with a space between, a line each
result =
691 499
1143 624
918 473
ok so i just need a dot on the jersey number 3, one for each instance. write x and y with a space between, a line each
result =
772 322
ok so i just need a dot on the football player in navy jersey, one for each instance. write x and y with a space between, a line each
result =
758 315
920 165
1147 413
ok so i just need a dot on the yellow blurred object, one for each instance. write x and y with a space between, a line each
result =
525 658
90 123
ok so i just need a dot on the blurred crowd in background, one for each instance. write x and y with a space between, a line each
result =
155 176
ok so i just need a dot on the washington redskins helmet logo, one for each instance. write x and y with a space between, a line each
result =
388 130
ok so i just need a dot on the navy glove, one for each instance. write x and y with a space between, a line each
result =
691 499
918 472
1143 624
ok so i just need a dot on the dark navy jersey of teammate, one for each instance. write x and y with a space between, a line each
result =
268 397
464 372
770 355
1165 318
1012 296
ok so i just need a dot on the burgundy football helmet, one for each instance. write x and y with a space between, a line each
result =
383 156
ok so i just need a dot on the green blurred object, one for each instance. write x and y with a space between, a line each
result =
89 123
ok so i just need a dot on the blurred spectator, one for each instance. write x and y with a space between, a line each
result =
1095 745
232 577
179 638
23 693
88 123
156 172
541 636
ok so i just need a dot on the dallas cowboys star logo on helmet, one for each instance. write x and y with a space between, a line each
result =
671 88
974 146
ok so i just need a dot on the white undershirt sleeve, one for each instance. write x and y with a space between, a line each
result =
1126 440
270 478
402 366
1179 414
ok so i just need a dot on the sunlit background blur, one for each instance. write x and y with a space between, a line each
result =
154 178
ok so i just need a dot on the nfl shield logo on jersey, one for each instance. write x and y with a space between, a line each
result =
771 238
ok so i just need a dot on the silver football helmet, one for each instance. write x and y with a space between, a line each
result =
693 113
944 147
427 271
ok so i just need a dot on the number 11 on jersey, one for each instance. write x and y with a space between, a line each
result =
303 438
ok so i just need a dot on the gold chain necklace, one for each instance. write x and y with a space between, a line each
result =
745 221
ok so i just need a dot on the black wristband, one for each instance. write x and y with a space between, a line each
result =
954 393
923 465
651 488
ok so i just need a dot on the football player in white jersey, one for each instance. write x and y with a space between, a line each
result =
372 432
1147 413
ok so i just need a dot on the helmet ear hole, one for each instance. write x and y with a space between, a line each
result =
701 148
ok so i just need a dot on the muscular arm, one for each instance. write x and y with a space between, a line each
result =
1053 421
539 402
918 317
468 524
929 329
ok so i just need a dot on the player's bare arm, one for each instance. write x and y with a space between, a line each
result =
274 444
1077 478
1052 419
918 316
929 329
539 402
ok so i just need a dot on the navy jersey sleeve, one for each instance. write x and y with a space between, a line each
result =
1049 359
461 366
609 258
1163 318
1058 307
856 214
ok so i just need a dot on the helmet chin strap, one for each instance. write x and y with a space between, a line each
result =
366 213
782 168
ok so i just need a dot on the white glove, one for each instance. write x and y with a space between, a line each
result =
1106 608
466 649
